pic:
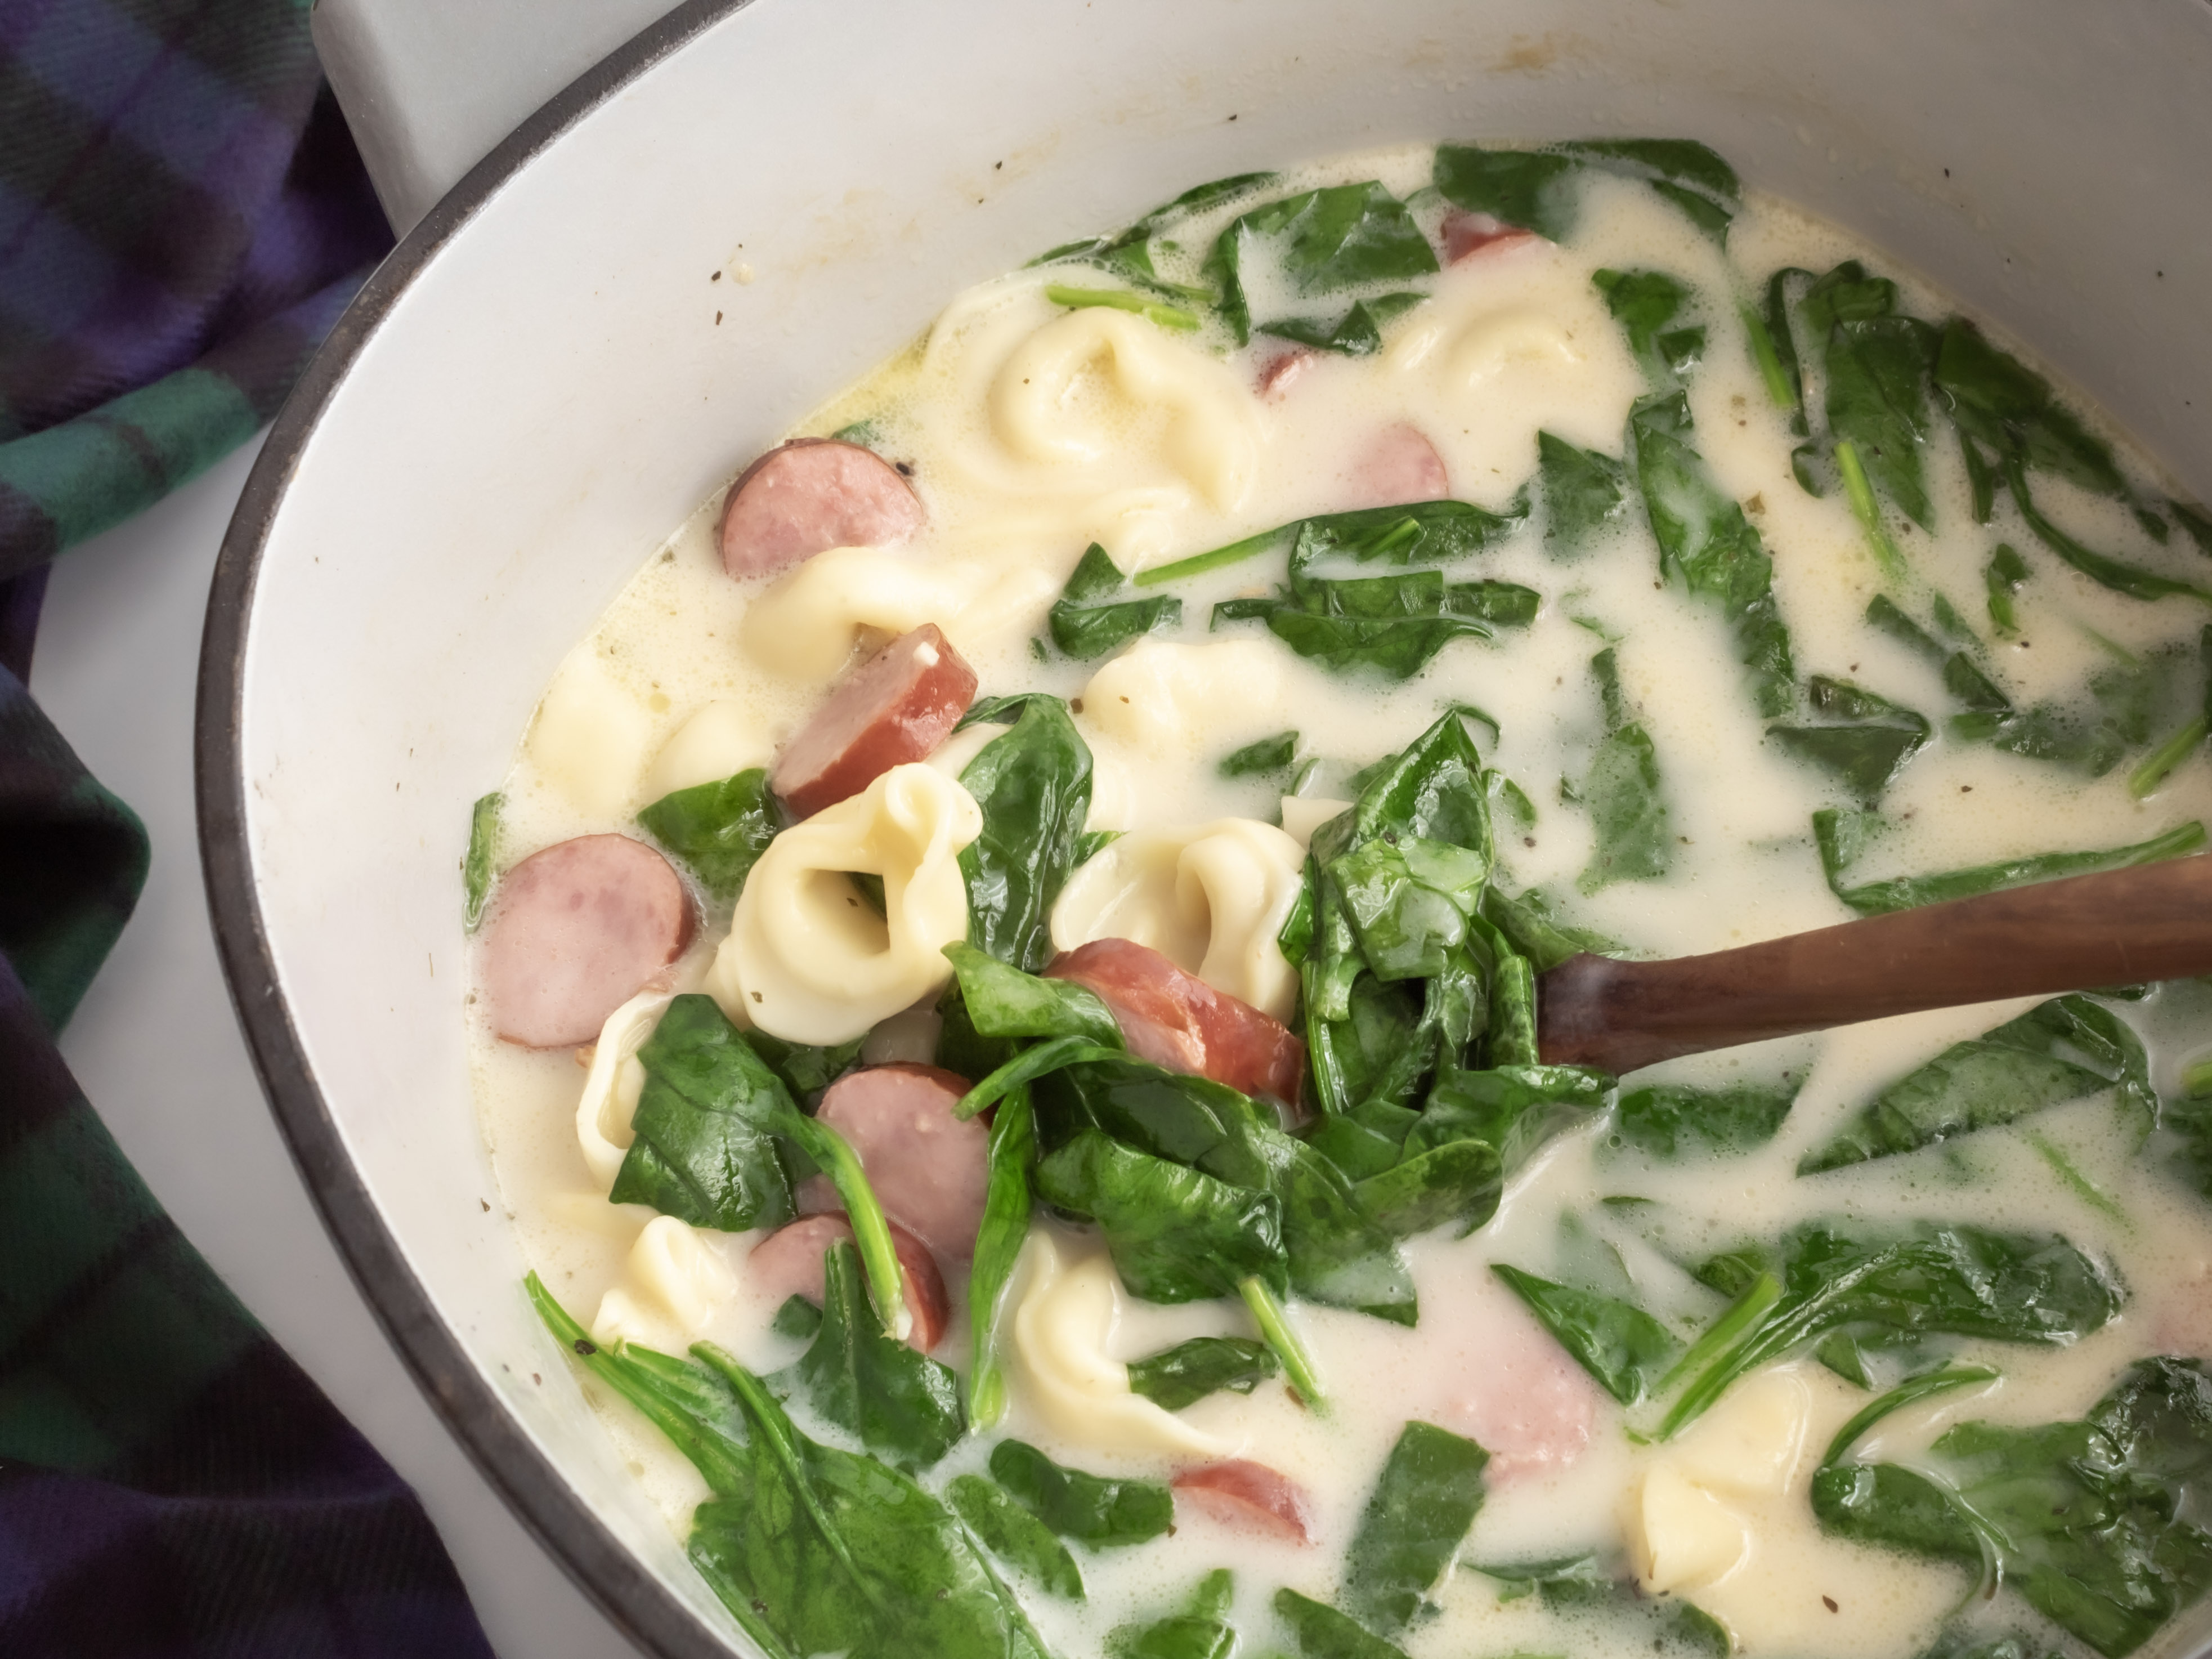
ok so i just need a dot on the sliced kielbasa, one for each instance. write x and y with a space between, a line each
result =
895 707
1280 374
788 1263
1251 1497
576 931
1469 233
1504 1381
1177 1020
1398 466
927 1167
809 496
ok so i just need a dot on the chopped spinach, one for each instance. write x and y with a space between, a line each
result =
1534 189
1090 1509
1003 1001
2085 1519
718 830
1413 534
1460 1181
2057 1051
1014 1535
1927 1279
1622 1347
2004 575
1155 312
1568 1581
1324 241
478 863
1583 492
1707 546
1322 1633
1865 740
1644 303
1007 1201
719 1139
1175 1234
1841 838
1188 1372
1201 1629
1091 617
1670 1120
1273 754
1412 1529
1358 333
1033 785
1625 795
798 1319
904 1406
1129 252
812 1548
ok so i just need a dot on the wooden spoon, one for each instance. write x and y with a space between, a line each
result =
2121 927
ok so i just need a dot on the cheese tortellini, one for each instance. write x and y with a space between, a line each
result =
1688 1525
806 624
1157 696
1062 1324
673 1277
614 1082
808 959
1050 402
1212 899
589 736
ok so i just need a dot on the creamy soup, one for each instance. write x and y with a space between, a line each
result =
1089 837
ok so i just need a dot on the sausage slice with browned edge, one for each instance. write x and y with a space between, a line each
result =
788 1263
1177 1020
895 707
576 931
1249 1497
926 1166
1399 465
1467 234
809 496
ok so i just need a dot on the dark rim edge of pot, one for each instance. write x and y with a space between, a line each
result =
633 1599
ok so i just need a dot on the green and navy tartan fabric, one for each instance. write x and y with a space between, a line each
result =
182 216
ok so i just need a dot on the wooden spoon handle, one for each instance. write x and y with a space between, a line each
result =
2121 927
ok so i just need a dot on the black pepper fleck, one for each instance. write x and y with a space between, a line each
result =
1829 1601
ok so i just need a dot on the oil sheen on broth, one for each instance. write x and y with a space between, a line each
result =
1033 430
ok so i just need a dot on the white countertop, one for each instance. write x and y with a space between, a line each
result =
157 1049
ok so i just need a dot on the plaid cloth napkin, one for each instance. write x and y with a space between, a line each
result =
181 218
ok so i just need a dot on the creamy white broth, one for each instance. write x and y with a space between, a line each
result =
1511 341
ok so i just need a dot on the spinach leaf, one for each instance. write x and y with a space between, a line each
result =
1089 1508
1201 1630
798 1319
812 1549
1622 1347
1644 302
1708 547
1412 533
2000 404
705 1126
1865 744
1322 1633
718 1141
2004 575
2084 1519
1669 1121
1410 902
805 1069
1841 838
1583 492
1517 1109
1273 754
1324 241
1927 1278
1412 1529
1175 1234
1034 786
1568 1581
1000 1236
904 1406
1129 252
1533 189
1626 797
1014 1535
1160 315
1877 364
1090 618
718 830
2057 1051
1461 1181
2121 577
1527 922
1005 1002
1188 1372
478 863
1358 333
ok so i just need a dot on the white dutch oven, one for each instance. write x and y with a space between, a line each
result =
543 380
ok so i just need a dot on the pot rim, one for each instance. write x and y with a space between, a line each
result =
633 1598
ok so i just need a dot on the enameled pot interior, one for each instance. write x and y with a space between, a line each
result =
545 381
